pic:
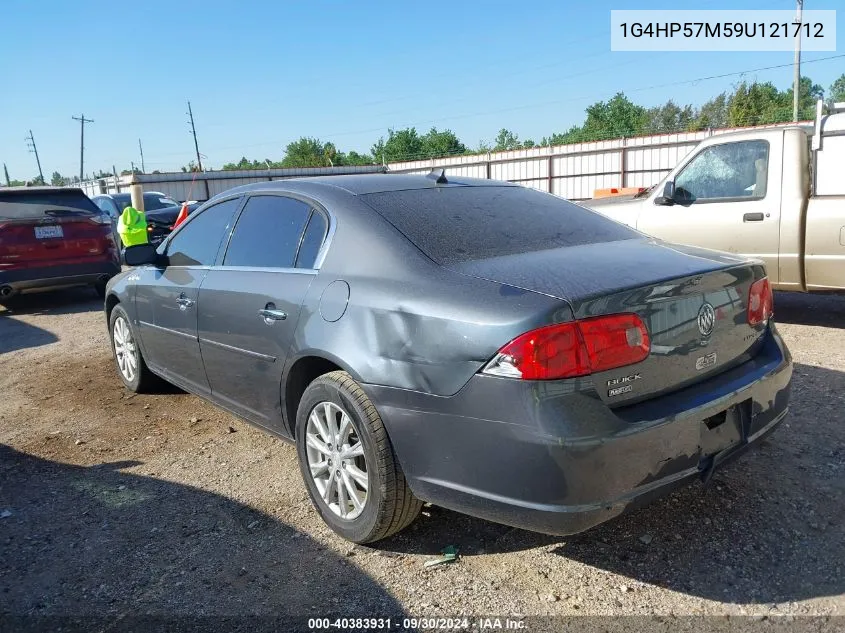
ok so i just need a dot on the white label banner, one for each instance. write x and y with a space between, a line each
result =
729 30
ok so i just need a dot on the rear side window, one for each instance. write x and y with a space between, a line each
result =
268 233
35 205
456 224
312 240
196 244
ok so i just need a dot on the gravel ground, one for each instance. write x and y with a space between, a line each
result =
113 504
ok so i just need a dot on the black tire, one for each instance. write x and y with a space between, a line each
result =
390 505
143 380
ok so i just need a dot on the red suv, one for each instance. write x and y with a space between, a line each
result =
52 237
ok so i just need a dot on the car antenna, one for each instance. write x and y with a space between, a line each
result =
438 176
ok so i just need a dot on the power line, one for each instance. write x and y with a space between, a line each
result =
30 143
82 121
497 111
539 104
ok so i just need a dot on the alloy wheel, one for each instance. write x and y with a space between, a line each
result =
336 460
125 349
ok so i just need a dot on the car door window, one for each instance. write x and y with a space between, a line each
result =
731 170
268 233
197 243
315 233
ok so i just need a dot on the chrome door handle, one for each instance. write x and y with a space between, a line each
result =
184 302
272 315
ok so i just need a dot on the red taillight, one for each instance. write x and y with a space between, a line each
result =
573 349
760 302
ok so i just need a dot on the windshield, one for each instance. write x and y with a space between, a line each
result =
155 201
152 201
34 205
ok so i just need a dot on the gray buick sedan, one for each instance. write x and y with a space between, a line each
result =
469 343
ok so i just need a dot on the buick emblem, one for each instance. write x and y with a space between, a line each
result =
706 319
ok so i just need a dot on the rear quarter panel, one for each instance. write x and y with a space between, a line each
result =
407 322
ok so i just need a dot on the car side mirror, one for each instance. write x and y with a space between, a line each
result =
667 198
141 255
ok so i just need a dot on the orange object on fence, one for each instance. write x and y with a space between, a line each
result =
617 191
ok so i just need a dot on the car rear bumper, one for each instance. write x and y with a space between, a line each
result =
552 457
58 276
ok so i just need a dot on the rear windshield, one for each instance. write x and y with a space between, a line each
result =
456 224
152 201
25 205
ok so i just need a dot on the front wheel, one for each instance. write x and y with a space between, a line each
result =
348 463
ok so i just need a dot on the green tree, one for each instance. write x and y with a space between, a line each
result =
614 118
307 152
575 134
713 114
837 90
436 144
808 94
354 158
38 181
400 145
57 180
506 140
669 117
528 143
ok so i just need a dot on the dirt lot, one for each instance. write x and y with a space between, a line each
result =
113 504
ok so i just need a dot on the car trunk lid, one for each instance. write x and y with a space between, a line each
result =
693 302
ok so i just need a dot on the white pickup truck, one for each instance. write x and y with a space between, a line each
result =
775 194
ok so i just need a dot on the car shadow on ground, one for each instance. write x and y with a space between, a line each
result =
107 546
16 335
66 301
810 309
768 527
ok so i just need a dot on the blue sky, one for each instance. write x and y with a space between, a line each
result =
264 72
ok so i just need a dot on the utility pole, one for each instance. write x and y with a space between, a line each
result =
6 170
796 80
82 121
132 162
194 132
30 142
143 169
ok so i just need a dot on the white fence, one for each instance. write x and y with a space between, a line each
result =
575 171
572 171
204 185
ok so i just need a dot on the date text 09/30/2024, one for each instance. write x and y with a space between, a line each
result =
417 624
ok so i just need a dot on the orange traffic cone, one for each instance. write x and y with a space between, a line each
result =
181 217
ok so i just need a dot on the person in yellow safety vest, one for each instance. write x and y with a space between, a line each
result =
132 227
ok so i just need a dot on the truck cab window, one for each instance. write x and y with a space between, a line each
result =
731 170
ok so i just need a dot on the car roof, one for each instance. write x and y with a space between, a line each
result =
126 194
25 190
361 184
